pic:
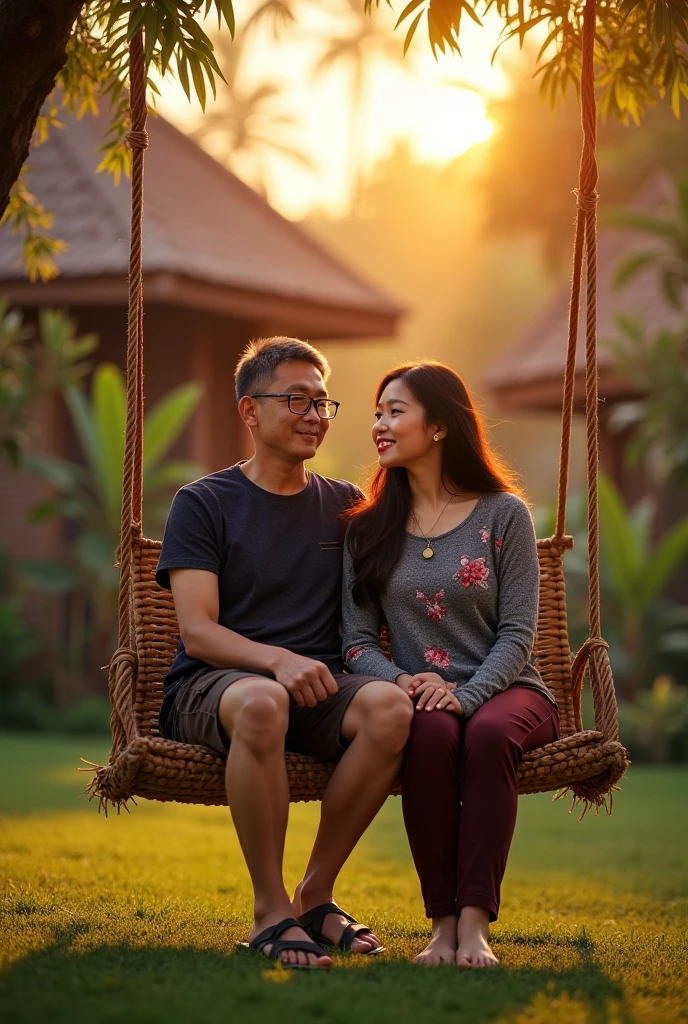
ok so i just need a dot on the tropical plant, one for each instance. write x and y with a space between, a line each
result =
637 572
82 47
657 367
655 726
647 632
88 498
669 255
32 365
18 641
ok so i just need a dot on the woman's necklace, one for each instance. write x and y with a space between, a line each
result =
427 550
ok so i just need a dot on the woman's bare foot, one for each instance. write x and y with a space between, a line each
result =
334 924
441 949
472 933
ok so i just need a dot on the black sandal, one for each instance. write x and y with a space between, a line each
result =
312 922
272 935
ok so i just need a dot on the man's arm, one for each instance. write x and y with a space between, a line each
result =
197 603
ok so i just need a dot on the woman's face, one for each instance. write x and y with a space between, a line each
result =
400 432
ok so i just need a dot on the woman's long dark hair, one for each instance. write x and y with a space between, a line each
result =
377 524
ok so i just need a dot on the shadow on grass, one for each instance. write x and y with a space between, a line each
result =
130 984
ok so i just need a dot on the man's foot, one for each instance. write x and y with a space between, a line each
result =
472 933
334 925
441 949
288 956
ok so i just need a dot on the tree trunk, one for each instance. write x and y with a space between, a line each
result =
33 38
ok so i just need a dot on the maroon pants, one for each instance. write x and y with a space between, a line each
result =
459 795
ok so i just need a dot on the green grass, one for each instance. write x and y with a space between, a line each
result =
136 918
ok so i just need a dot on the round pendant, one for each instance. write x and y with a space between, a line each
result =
428 552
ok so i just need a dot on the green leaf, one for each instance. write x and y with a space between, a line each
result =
48 576
96 551
109 416
671 553
63 475
166 421
172 474
618 544
198 80
409 9
631 266
84 426
411 32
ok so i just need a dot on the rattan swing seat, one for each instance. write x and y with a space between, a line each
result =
148 765
586 762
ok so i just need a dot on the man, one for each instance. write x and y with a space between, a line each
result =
253 555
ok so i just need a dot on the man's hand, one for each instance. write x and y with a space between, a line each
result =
308 681
435 693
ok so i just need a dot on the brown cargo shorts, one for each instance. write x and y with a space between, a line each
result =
313 731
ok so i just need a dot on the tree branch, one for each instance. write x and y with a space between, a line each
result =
33 37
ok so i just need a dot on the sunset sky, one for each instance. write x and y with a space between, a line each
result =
420 100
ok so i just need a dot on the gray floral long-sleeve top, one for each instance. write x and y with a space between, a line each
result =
468 614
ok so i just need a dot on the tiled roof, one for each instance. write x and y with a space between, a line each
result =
539 355
200 221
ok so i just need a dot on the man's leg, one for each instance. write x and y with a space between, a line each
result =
376 725
254 713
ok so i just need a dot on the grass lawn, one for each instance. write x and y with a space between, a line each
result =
136 919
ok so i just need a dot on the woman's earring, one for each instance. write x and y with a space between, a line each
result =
436 437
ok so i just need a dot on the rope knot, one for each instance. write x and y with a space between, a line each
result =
137 139
123 654
586 201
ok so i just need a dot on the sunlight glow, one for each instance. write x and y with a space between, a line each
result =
439 107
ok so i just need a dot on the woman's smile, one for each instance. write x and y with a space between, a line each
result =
383 444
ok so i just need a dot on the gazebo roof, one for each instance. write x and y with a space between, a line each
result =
530 375
210 242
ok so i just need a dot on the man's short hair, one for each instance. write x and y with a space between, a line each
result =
258 362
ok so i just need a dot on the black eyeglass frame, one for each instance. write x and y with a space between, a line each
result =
311 402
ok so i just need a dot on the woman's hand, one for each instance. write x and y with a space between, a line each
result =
433 693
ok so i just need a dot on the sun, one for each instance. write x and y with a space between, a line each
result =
454 121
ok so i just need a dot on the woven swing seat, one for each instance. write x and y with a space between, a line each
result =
148 765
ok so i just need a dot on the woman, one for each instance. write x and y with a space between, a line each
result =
444 553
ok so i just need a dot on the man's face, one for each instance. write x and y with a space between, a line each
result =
273 425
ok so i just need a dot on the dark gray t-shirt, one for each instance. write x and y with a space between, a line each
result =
278 560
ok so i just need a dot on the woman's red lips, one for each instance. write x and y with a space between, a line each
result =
383 443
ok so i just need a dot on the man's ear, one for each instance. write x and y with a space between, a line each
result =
247 411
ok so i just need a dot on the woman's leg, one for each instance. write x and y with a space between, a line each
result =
495 739
430 803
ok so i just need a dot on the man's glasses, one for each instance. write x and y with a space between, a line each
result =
300 405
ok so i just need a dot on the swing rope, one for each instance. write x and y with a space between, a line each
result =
593 653
123 666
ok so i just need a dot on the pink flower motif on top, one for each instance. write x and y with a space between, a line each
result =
472 572
433 608
484 534
437 657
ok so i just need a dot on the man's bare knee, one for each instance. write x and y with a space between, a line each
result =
384 712
256 711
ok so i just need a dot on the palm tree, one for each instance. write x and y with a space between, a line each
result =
365 41
247 123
